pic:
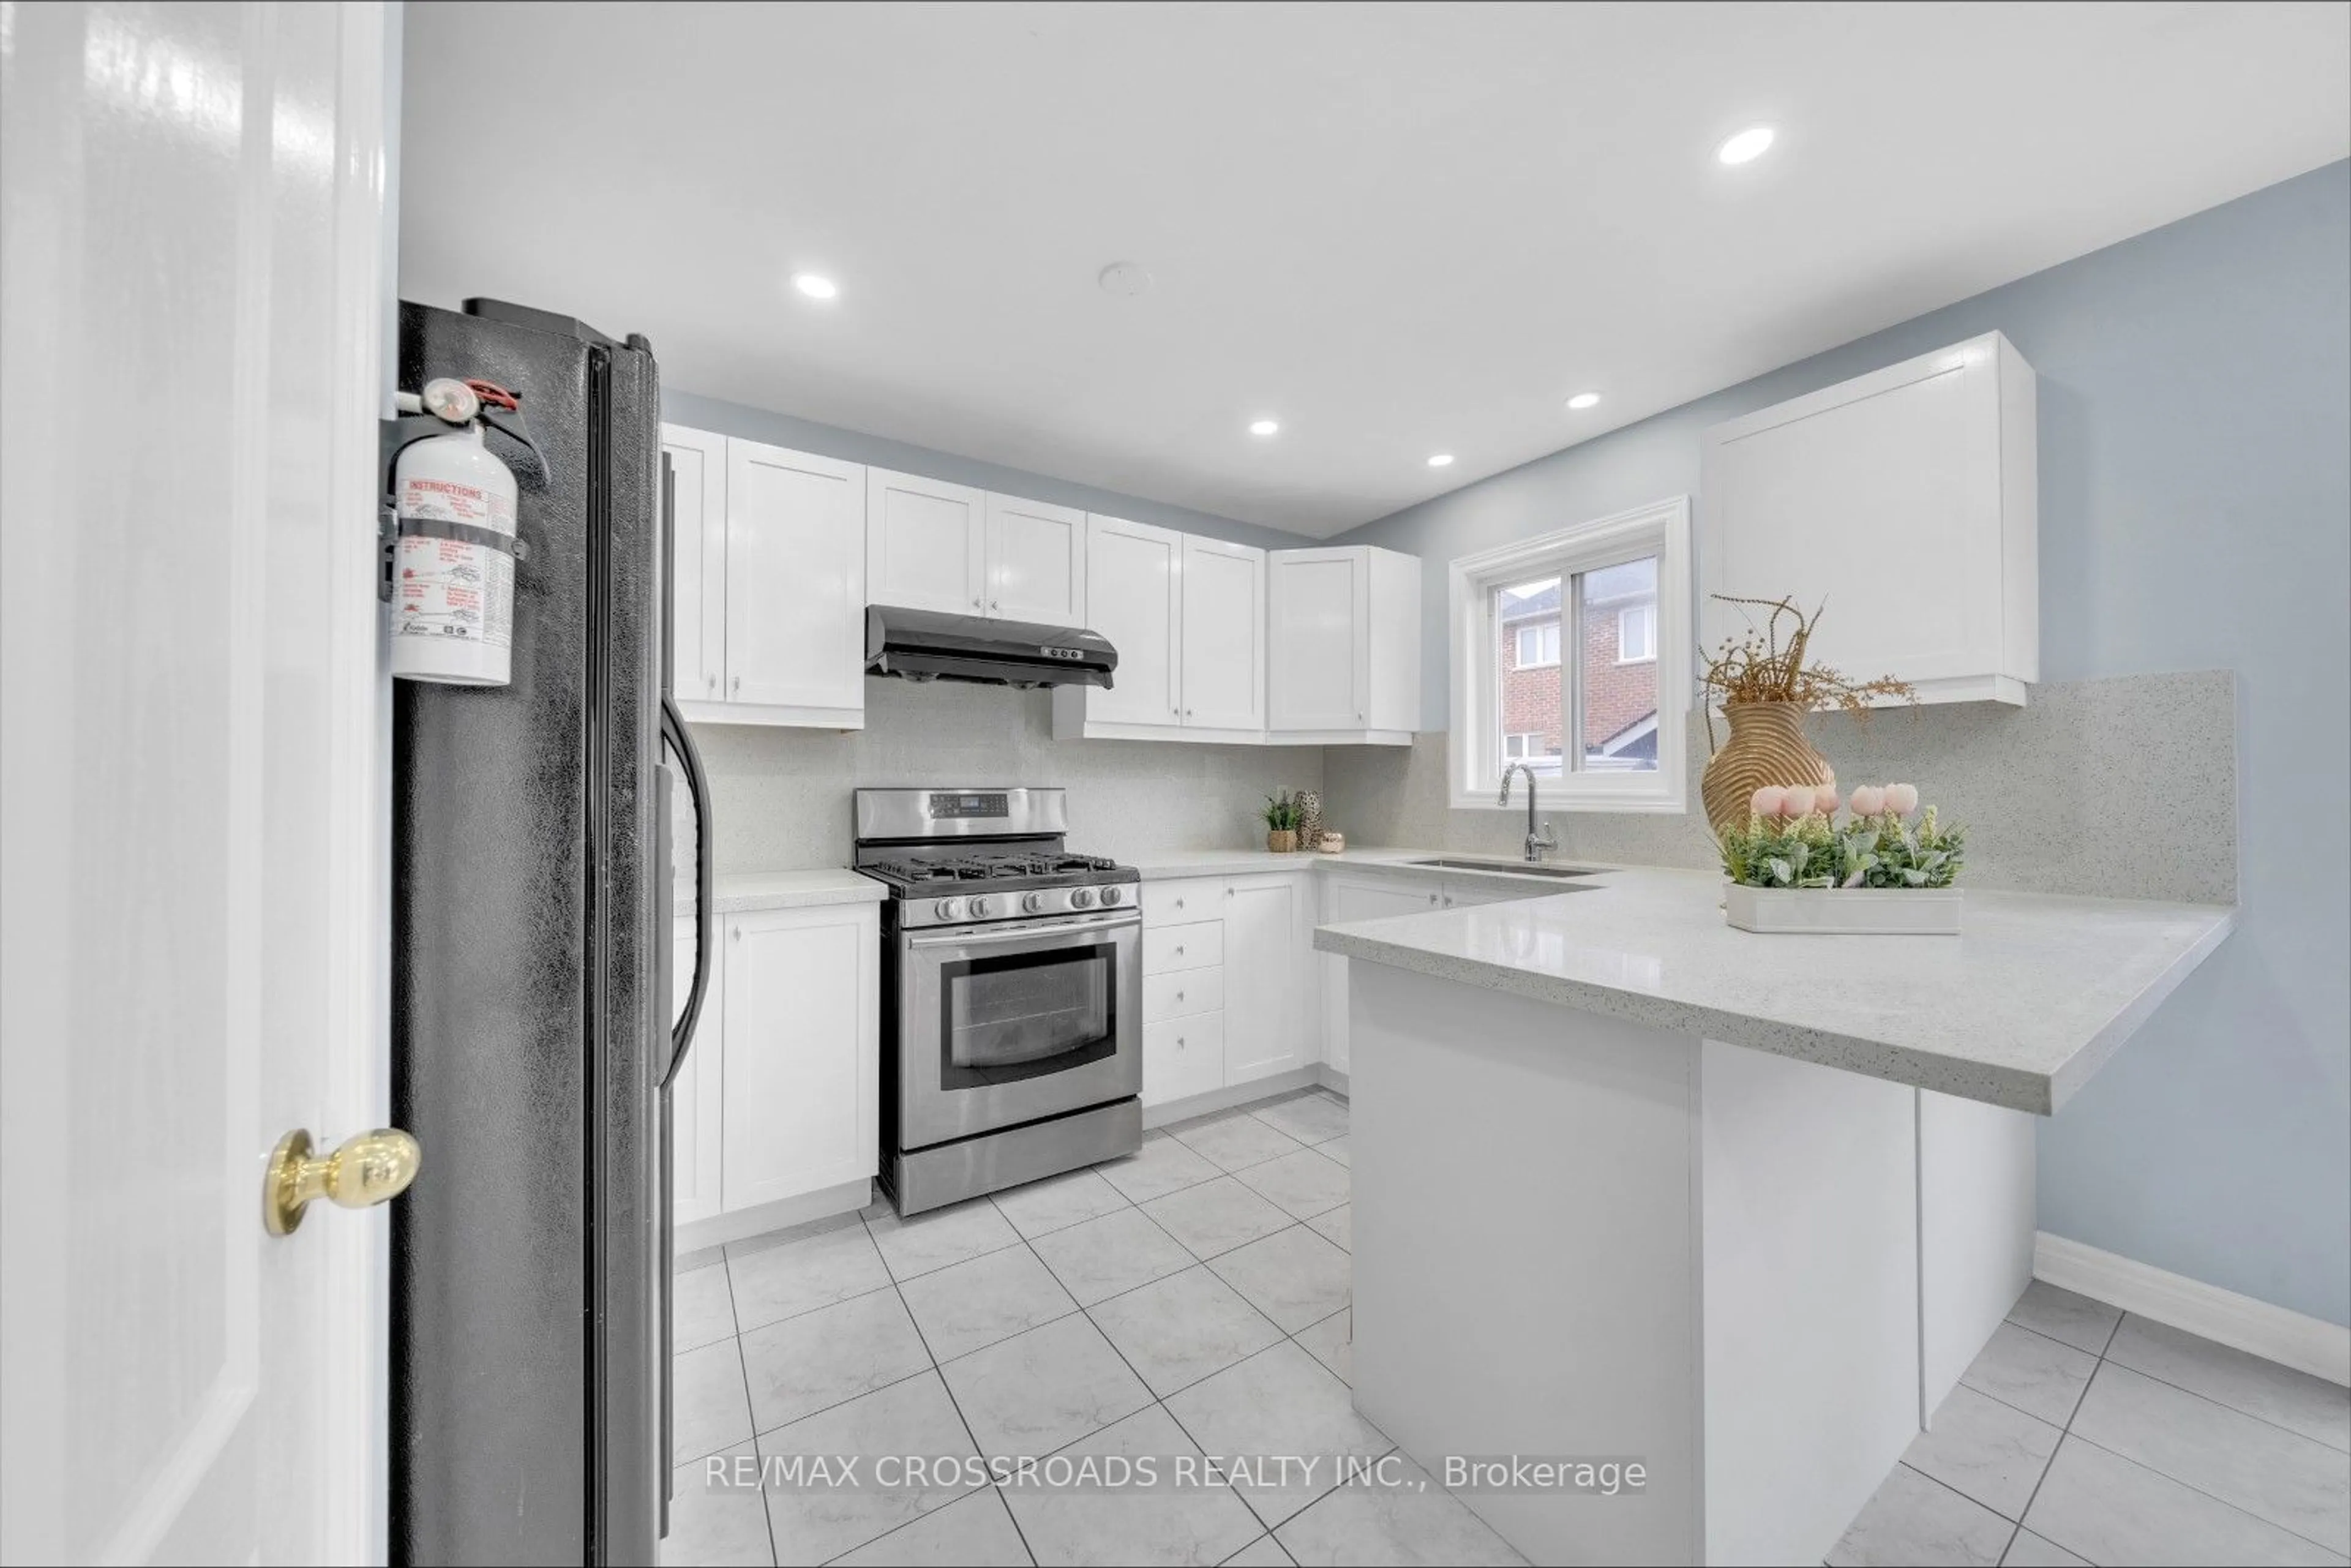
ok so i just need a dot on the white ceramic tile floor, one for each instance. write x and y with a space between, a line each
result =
1196 1297
2085 1435
1192 1297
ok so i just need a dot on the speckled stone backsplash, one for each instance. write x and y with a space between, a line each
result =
2124 787
781 796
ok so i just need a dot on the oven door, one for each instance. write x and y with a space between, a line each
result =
1001 1025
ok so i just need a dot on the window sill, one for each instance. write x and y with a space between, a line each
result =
1644 659
1649 802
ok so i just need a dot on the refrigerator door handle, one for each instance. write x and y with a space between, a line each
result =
697 787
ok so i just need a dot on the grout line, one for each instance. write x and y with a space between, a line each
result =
743 1370
2191 1486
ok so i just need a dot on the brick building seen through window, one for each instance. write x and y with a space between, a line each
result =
1616 663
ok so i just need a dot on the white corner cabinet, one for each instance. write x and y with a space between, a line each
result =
1228 992
1345 655
778 1102
1904 501
1225 643
767 584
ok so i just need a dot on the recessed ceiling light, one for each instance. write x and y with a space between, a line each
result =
1584 400
1440 460
815 285
1265 427
1747 146
1124 278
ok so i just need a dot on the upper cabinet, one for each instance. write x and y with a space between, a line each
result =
1224 635
1345 658
1906 501
1134 597
768 582
1035 561
924 544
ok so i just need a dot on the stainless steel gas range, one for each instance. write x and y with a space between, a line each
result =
1011 993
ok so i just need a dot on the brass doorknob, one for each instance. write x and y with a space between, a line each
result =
367 1169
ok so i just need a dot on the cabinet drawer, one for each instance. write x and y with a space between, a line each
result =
1192 898
1196 944
1181 993
1183 1057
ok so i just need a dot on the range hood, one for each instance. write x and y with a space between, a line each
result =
925 645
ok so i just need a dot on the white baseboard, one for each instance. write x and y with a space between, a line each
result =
742 1224
1232 1094
1332 1078
2274 1334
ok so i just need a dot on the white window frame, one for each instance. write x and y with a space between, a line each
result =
1650 608
1521 735
1556 628
1473 741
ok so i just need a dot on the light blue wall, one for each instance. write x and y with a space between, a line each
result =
2194 458
855 446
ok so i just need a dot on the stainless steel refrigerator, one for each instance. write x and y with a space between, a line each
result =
534 1034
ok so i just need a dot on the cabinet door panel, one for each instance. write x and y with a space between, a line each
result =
1322 602
1183 1057
1135 582
1224 635
1035 562
697 1097
1345 899
924 544
795 579
697 464
801 1051
1267 941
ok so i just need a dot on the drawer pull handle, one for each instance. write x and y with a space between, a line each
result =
1179 996
1179 947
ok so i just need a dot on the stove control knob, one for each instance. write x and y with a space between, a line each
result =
981 908
1033 902
947 908
1082 898
1110 895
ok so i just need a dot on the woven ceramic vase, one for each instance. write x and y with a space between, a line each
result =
1767 746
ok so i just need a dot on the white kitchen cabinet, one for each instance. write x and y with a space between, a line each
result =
697 621
1183 1057
1134 597
1345 898
1344 628
1036 562
697 1095
1223 644
801 1051
925 544
794 598
1269 990
1905 500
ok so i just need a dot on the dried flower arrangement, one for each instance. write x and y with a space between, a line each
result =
1759 668
1791 840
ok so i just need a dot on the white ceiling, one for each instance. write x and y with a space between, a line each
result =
1399 229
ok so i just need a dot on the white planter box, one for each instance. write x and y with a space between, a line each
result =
1845 912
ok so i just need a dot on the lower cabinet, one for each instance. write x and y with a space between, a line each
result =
697 1096
1228 992
799 1050
1345 898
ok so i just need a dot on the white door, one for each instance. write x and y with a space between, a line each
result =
192 733
697 467
1345 899
698 1093
1035 562
1321 610
1224 635
1134 587
925 544
1267 977
802 1052
795 579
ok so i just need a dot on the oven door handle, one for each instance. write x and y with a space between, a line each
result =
1024 933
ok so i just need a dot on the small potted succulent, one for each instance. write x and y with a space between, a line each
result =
1793 866
1282 814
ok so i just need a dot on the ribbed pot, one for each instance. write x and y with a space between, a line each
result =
1767 746
1282 840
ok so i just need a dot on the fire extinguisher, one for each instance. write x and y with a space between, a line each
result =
454 544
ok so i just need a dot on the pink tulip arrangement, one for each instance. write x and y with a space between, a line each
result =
1792 839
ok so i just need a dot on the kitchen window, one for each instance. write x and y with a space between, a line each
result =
1570 655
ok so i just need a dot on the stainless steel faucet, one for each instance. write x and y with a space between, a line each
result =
1538 844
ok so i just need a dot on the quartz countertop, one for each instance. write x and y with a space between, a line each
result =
747 891
2018 1011
1162 865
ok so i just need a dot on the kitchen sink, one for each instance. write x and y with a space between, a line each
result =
1509 868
